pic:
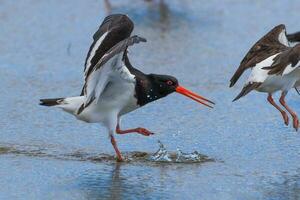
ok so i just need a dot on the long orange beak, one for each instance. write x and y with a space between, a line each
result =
194 96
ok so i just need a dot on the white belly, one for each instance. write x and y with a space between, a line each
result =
272 83
279 83
117 99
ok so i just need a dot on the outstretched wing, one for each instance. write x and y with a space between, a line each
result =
113 29
285 62
110 68
272 43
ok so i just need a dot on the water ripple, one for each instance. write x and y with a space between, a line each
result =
160 156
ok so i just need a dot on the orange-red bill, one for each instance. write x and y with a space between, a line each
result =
194 96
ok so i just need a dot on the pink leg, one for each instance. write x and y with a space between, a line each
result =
139 130
283 113
114 143
295 117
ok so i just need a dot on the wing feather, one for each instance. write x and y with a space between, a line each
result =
285 62
113 29
272 43
111 65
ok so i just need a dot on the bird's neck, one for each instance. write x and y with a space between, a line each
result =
145 92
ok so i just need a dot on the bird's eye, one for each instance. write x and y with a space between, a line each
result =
169 83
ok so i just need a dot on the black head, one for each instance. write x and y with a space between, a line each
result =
154 86
163 84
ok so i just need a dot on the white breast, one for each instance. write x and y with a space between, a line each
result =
117 98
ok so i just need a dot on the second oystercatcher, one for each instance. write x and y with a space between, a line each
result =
275 67
113 87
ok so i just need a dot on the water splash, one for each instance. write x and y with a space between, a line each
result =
189 157
162 155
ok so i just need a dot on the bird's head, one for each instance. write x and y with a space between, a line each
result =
163 85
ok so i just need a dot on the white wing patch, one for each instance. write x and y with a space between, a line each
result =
112 71
98 79
289 68
124 73
258 74
283 39
93 51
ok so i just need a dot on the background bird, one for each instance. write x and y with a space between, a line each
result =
274 67
113 87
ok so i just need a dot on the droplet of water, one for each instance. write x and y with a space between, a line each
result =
161 155
188 157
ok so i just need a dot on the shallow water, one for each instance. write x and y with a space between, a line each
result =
162 155
42 51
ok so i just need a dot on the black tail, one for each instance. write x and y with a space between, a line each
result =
51 102
248 88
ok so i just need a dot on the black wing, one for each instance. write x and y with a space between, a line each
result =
111 64
285 62
119 48
113 29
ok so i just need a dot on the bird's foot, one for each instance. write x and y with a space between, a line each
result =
138 130
293 114
295 123
144 131
119 158
285 118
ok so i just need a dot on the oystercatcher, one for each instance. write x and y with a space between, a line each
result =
113 87
275 67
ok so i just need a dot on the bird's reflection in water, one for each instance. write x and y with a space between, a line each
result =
115 191
113 182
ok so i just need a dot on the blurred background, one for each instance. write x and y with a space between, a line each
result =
43 45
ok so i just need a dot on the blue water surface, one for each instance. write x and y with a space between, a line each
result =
43 45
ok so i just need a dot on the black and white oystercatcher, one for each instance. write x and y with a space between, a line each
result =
275 67
113 87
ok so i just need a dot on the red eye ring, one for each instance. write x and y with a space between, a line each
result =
169 82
